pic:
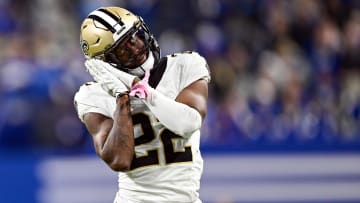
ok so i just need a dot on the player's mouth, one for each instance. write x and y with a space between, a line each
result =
141 58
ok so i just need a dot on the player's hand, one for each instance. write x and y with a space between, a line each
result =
125 78
108 81
142 88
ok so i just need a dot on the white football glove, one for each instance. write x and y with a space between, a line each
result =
126 78
108 81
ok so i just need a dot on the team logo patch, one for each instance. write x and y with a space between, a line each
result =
85 47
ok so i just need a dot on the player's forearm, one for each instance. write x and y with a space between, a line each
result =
118 149
177 117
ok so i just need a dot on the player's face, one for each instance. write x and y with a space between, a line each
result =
132 51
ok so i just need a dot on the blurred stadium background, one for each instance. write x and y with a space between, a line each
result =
284 108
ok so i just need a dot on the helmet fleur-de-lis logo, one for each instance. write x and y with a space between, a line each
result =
85 47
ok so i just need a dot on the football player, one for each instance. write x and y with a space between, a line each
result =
144 112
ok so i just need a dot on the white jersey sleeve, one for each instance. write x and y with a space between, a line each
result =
91 98
194 68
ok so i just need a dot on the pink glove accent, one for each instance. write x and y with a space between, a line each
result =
140 89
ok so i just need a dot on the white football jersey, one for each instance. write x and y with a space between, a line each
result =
166 167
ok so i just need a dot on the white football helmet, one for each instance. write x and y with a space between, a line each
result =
106 30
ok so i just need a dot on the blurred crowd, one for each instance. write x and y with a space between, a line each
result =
284 73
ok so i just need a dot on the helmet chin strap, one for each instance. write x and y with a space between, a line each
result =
146 66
